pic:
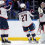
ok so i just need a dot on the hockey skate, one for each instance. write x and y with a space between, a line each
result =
7 41
34 41
3 40
30 40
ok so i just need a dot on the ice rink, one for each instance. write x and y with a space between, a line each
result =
20 43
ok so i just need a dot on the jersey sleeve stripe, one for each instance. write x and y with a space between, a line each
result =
6 29
4 18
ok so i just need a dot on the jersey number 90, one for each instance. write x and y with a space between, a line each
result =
24 17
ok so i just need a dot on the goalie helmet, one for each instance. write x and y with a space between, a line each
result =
42 4
22 5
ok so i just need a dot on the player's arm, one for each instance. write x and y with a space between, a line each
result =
31 14
9 6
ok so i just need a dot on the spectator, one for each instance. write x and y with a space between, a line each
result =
15 8
22 1
9 12
7 2
12 13
18 1
28 5
29 1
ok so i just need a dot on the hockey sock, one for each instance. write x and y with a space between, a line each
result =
28 34
34 36
2 34
6 34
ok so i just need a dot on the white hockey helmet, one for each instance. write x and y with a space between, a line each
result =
2 3
22 5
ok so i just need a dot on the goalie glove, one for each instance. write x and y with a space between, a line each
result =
10 3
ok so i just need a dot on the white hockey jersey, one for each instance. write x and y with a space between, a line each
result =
42 19
3 13
25 18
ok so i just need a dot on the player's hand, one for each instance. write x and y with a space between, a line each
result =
10 3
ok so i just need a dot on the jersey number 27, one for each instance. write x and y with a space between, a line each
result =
24 17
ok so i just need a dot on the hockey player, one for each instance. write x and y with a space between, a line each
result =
41 11
24 17
3 22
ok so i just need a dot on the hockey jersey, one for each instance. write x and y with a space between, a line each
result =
3 13
42 14
25 18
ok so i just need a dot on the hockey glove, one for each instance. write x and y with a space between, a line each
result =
10 3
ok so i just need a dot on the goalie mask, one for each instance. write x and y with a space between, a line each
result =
42 5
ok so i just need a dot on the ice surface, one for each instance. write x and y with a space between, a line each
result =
20 43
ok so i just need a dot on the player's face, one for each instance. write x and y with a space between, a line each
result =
42 6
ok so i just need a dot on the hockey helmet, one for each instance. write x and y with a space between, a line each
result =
22 5
1 3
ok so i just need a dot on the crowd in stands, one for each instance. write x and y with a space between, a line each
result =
13 13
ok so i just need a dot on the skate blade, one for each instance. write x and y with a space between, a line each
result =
7 43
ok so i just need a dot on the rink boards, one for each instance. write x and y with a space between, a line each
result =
16 31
